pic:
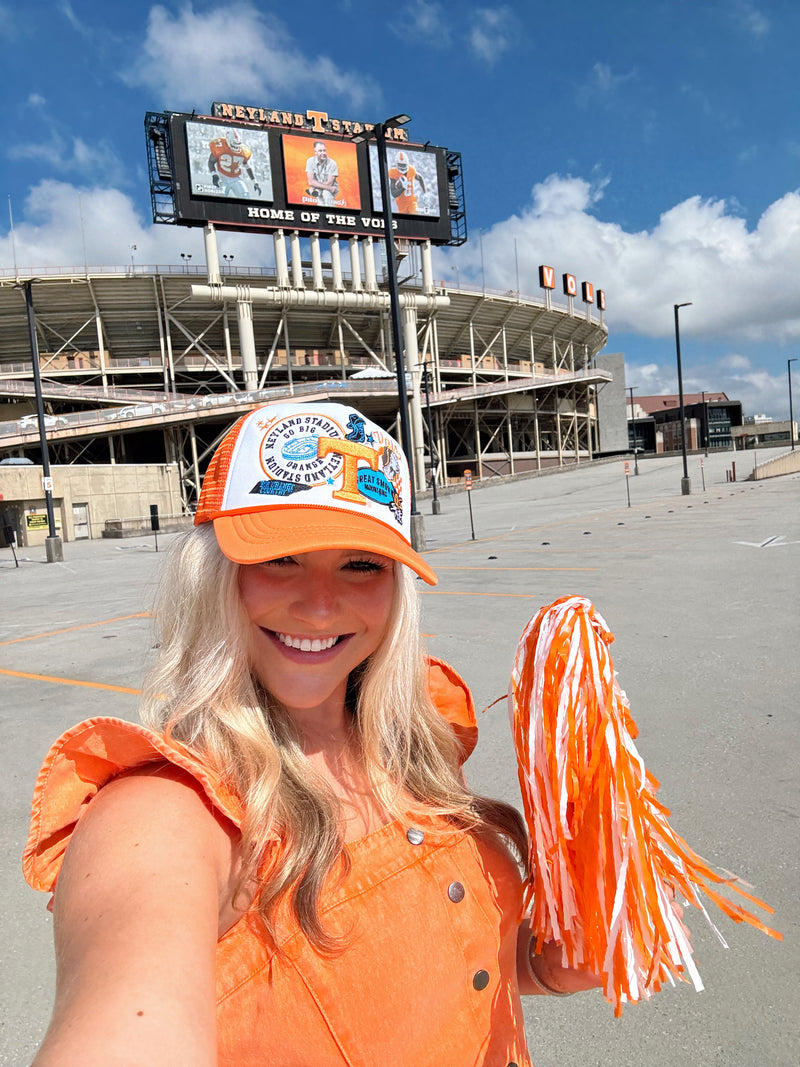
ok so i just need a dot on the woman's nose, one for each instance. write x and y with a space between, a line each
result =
315 599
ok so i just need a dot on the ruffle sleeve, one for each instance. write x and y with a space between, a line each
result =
452 697
79 764
91 754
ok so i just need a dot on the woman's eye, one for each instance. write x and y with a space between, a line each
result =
282 561
366 566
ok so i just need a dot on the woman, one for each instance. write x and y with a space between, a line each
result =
287 866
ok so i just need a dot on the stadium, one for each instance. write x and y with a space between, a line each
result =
143 368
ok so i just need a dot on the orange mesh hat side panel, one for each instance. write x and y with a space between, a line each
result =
213 491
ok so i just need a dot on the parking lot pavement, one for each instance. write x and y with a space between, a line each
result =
702 595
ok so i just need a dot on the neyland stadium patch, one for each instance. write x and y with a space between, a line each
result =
304 452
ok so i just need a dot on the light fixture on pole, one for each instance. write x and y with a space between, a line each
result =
686 481
186 257
379 133
132 251
633 431
789 363
53 546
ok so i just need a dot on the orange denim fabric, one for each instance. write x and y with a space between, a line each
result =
422 919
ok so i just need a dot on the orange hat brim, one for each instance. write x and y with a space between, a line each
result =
257 536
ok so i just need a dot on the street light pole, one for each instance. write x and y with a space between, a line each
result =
686 481
789 363
633 428
379 132
53 546
436 507
705 422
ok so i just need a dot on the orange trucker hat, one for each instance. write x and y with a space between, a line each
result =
291 478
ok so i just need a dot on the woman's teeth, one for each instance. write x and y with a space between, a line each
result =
306 644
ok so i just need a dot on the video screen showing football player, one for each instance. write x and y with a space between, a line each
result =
402 177
229 162
413 181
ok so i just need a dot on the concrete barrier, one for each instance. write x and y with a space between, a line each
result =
788 463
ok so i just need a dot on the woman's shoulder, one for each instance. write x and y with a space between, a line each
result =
85 759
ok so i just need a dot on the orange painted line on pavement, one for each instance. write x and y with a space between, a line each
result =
83 626
70 681
451 568
459 592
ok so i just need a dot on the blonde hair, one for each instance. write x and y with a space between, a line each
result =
202 692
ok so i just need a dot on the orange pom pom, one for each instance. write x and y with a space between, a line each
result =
605 862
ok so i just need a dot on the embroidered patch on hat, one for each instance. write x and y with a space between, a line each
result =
293 477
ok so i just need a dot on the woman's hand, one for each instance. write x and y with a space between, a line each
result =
543 974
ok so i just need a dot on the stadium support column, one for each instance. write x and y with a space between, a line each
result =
212 254
316 261
247 343
415 405
336 262
195 463
427 267
226 333
281 265
370 279
98 325
297 260
355 264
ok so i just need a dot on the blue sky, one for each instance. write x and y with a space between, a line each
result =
652 149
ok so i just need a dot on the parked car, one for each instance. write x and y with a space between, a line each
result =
141 411
31 422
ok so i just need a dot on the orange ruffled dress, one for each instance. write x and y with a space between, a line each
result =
431 915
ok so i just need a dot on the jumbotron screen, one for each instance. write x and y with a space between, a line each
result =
259 177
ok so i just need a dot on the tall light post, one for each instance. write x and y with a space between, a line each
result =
186 257
633 430
379 133
53 547
436 507
789 363
686 481
705 423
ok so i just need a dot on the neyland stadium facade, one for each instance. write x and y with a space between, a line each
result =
146 364
150 365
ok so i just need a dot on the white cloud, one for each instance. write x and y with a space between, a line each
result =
72 154
492 33
758 389
265 67
62 225
750 19
741 281
424 21
8 24
603 78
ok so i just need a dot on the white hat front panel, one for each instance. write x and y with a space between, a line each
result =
323 455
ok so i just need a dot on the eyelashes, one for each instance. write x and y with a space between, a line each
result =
360 565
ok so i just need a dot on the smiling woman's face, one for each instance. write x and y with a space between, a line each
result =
314 617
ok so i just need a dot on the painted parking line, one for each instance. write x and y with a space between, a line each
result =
70 681
83 626
463 592
448 567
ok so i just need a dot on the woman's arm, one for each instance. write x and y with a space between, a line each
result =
543 975
136 912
